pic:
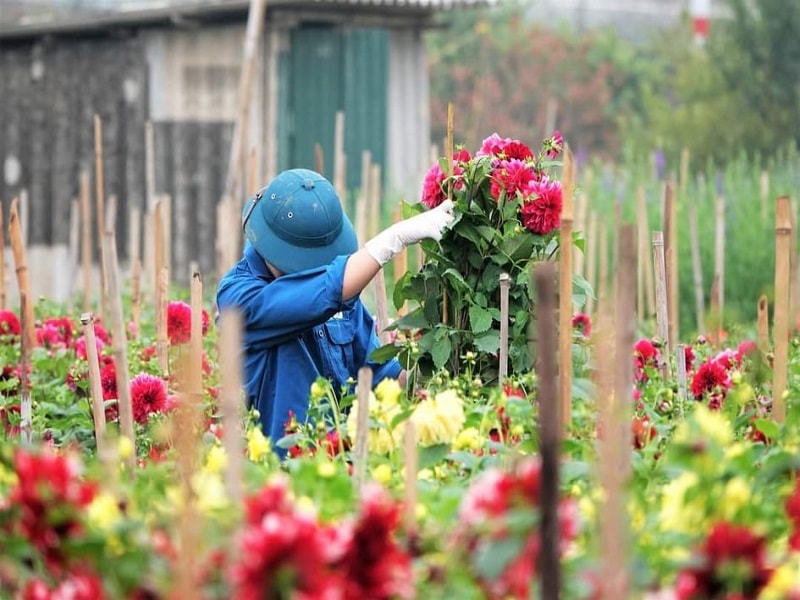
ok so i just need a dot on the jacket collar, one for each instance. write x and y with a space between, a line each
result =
256 263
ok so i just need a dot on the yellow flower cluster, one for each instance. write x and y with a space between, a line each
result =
439 420
785 581
257 444
384 406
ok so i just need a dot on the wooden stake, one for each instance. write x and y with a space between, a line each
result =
719 268
662 315
338 158
319 159
549 431
25 405
565 296
364 196
410 492
763 324
581 210
783 235
591 259
95 384
255 26
136 298
23 281
196 339
671 260
162 334
24 216
381 306
135 236
119 342
697 270
375 200
86 240
764 195
165 202
99 194
230 347
794 281
680 362
150 166
505 283
74 247
400 263
2 261
449 150
603 285
362 427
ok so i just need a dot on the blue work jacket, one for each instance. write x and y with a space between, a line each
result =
296 328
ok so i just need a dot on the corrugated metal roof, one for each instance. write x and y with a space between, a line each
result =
232 9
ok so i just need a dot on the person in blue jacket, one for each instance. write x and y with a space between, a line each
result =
297 289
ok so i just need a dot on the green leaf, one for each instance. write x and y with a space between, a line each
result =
413 320
489 342
492 559
432 455
399 294
480 319
440 351
769 428
384 353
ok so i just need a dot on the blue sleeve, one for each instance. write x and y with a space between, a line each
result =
279 309
367 342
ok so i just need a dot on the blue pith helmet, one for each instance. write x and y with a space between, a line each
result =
297 222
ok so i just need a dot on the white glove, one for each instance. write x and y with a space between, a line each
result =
428 225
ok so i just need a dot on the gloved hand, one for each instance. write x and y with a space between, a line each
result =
428 225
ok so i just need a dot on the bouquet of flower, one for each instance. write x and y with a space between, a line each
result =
508 209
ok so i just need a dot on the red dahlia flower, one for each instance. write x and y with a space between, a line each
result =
582 324
504 148
9 324
148 395
541 213
554 145
434 191
746 348
645 356
688 354
511 176
710 377
179 322
80 347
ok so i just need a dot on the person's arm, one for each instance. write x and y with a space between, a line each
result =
363 265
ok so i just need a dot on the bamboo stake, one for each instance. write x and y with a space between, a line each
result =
196 339
375 200
339 158
410 492
662 315
119 350
793 273
166 245
565 296
697 270
86 241
719 267
783 234
150 166
23 281
671 260
162 334
764 195
400 263
381 305
2 261
642 237
362 427
100 210
74 247
763 324
25 405
319 159
230 345
591 259
111 213
505 283
603 259
615 460
449 150
549 431
680 362
581 211
136 298
95 384
24 214
255 25
649 278
364 195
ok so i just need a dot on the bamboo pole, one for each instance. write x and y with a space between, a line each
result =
196 339
671 260
449 150
591 260
136 298
581 212
603 284
550 430
86 241
99 192
24 216
255 26
794 281
150 166
23 277
764 195
25 404
697 270
162 333
719 266
642 237
400 263
95 384
362 428
119 344
763 324
319 159
2 261
74 247
680 367
166 232
565 296
363 200
381 306
230 346
505 283
662 314
783 234
339 158
375 200
410 493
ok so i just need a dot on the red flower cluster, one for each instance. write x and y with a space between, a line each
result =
50 498
582 323
487 516
711 378
330 441
179 322
645 356
504 148
554 145
76 585
643 431
55 333
512 176
541 212
434 192
148 395
731 564
793 512
9 324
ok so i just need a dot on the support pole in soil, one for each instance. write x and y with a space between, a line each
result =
549 430
680 366
74 248
780 333
95 385
505 284
662 315
25 404
162 333
86 240
196 340
362 427
23 277
119 351
671 260
136 298
697 270
100 216
339 158
565 297
230 346
763 323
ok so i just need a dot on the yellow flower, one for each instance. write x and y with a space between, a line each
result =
305 505
420 511
216 459
380 439
210 492
785 581
469 439
712 424
735 496
382 473
104 511
388 392
125 448
7 476
439 420
326 469
586 509
676 514
734 450
257 444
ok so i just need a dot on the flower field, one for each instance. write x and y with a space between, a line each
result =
436 492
